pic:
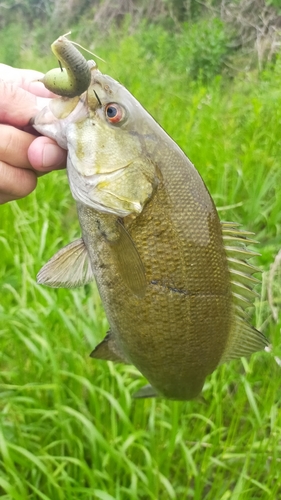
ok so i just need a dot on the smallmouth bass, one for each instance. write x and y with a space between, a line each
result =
174 280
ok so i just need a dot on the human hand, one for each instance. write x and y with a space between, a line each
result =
23 155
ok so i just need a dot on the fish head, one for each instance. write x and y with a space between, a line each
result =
106 132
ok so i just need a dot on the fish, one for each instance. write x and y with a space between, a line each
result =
175 281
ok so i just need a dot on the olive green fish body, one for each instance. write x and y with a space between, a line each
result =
173 292
177 332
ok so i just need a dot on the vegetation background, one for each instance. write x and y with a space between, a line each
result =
209 72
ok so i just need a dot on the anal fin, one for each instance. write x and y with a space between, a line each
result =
108 350
147 391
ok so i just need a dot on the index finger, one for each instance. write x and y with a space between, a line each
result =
27 79
17 105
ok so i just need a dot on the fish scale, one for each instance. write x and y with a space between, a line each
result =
170 311
174 281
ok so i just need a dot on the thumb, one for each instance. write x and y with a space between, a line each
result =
45 155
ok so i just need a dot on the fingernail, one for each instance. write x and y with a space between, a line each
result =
53 156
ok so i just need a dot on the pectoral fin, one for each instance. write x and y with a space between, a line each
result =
129 262
109 350
70 267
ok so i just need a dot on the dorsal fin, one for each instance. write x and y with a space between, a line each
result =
241 272
243 339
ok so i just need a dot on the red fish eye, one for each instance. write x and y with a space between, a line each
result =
114 113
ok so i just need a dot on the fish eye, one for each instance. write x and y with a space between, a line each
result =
114 113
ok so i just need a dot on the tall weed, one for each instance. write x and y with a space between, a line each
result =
197 49
11 38
69 428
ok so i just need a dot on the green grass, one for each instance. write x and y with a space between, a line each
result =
69 428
